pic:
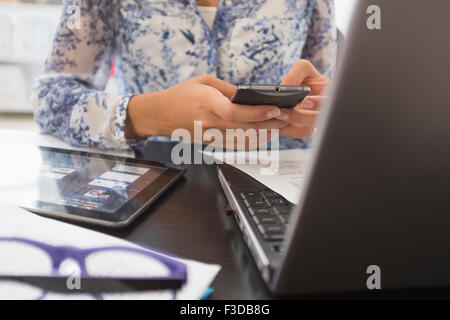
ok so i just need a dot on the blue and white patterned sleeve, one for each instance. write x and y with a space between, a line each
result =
68 98
321 43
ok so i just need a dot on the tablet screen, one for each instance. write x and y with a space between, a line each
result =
78 182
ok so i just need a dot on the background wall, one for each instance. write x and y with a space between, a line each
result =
344 10
26 33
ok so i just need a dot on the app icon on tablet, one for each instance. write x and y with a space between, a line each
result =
130 169
118 176
97 194
116 185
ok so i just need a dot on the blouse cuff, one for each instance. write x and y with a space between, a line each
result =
119 127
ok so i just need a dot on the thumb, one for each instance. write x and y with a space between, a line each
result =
227 89
304 73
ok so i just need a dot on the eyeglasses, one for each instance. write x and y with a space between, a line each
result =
30 269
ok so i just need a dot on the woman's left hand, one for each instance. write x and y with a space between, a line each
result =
303 117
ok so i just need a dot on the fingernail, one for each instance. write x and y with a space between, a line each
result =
283 116
307 104
273 113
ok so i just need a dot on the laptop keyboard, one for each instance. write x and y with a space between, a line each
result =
270 211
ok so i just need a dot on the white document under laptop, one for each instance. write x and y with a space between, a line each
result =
283 171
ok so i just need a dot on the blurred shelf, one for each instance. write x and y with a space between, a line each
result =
30 7
18 121
18 60
26 33
16 110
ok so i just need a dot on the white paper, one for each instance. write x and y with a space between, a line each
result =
16 222
285 173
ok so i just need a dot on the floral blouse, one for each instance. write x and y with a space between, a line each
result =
156 44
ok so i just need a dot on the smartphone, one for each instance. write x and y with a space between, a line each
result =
281 96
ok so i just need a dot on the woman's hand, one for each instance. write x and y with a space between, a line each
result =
301 119
205 99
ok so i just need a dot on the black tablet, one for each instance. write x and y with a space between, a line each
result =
82 186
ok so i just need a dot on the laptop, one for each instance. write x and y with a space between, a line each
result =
376 200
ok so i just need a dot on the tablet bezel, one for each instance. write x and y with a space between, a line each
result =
127 213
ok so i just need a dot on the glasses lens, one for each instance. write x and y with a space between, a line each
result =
13 290
18 258
123 263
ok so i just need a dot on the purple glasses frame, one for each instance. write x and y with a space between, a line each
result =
97 285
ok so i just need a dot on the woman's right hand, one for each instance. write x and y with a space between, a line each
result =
205 99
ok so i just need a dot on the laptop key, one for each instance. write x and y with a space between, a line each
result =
285 217
260 211
281 209
269 194
271 228
258 203
264 219
274 237
248 195
262 230
277 228
271 235
276 202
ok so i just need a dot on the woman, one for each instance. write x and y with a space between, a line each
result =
173 68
